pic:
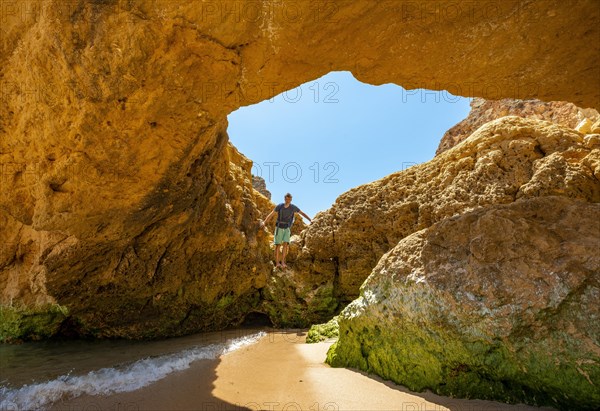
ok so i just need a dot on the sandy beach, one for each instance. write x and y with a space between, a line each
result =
279 372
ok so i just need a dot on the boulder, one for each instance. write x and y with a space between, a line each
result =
496 303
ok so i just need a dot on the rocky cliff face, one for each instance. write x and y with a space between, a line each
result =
484 111
488 292
181 273
503 161
499 302
260 185
125 212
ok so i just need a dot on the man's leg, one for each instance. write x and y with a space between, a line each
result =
285 250
277 240
286 243
277 248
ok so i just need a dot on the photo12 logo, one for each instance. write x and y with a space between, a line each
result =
451 92
259 91
320 94
292 171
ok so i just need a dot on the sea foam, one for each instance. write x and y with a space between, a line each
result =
113 380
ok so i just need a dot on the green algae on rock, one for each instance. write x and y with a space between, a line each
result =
291 301
322 332
497 303
25 323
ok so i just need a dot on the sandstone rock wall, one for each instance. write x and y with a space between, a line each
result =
188 271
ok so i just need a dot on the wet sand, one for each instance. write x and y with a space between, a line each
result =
280 372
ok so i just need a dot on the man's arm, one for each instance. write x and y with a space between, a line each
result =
304 215
262 223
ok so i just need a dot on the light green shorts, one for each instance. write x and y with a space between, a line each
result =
282 235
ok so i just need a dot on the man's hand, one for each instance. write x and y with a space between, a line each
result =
304 215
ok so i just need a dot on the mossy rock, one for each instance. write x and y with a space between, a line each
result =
322 332
290 304
19 323
432 315
433 358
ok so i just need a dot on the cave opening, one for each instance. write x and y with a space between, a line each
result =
256 319
329 135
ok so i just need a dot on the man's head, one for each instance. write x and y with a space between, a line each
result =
288 198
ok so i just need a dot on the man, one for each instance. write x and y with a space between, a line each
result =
285 218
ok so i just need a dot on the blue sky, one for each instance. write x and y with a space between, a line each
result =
334 133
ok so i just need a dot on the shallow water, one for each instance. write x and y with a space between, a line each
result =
34 375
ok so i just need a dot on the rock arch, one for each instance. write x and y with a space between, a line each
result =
117 178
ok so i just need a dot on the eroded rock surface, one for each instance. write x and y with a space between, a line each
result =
484 111
180 274
260 185
503 161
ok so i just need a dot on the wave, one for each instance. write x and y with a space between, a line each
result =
117 379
